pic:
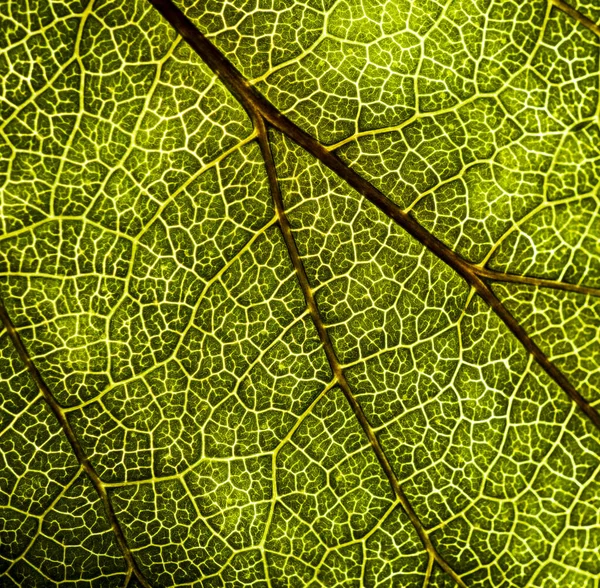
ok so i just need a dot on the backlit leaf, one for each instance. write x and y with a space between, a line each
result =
300 293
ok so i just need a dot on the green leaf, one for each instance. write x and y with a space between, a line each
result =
300 293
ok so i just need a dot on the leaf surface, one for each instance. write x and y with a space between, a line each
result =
312 300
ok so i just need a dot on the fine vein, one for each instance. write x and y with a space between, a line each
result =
257 105
82 458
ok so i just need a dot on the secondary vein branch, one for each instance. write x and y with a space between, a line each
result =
334 363
80 454
496 276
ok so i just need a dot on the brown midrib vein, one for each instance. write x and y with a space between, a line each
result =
578 16
334 363
80 454
255 102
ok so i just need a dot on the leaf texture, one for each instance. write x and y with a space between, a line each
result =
300 293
